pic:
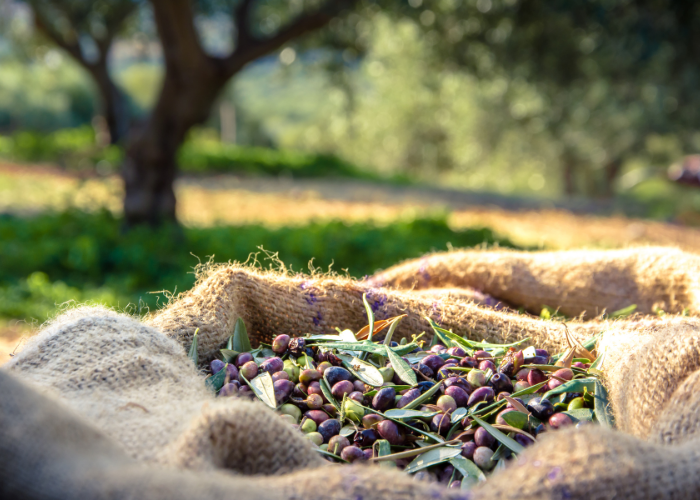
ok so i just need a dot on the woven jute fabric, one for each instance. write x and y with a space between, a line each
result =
575 282
102 405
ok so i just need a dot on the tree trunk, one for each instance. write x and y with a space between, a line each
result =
569 166
114 106
612 170
149 171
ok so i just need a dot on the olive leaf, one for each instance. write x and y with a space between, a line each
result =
576 385
401 422
625 311
332 455
228 355
401 367
394 324
348 430
371 348
470 344
363 370
603 412
397 388
263 387
423 397
241 342
432 457
585 414
216 381
529 390
471 474
458 415
325 388
370 317
508 441
193 354
515 419
382 448
401 413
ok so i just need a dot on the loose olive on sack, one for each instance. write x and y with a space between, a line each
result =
382 404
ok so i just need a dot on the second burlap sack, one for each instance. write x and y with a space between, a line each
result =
136 386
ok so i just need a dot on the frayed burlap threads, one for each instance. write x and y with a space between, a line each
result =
575 282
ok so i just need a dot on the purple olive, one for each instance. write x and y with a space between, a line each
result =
248 370
578 364
230 389
455 485
536 376
457 351
272 365
280 344
482 458
356 396
483 438
559 420
487 364
433 361
359 386
353 454
315 388
337 444
243 358
297 346
245 391
317 416
542 409
459 382
437 348
542 352
323 366
371 420
481 355
522 374
481 394
280 376
511 363
216 366
468 362
308 376
390 431
232 372
468 450
366 438
283 389
341 389
407 397
314 402
335 374
328 429
427 372
369 453
539 360
384 399
523 440
500 383
564 373
440 423
459 395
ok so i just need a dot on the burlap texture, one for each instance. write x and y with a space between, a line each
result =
112 407
575 282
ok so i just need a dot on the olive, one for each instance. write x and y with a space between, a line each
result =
353 454
272 365
330 409
323 366
216 366
297 346
368 453
438 348
315 438
230 389
308 376
243 358
283 389
248 370
499 418
371 420
559 420
482 458
446 403
356 396
542 409
468 450
522 374
308 425
390 431
280 344
341 389
486 365
407 397
387 373
481 394
292 370
359 386
539 360
335 374
542 352
564 373
366 438
353 410
576 403
520 385
336 444
440 423
459 382
280 376
523 440
578 364
288 418
500 383
314 402
245 391
424 386
511 407
483 438
427 372
457 352
446 474
468 362
384 399
476 378
460 396
291 410
334 360
329 428
444 372
480 355
553 384
432 361
455 485
317 416
511 363
315 388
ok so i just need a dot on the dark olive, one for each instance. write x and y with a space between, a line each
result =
511 363
353 454
487 364
542 409
481 355
459 382
243 358
483 438
468 450
317 416
459 395
230 389
468 362
336 444
280 344
359 386
457 351
283 389
335 374
440 423
366 438
390 431
523 440
424 386
481 394
433 361
500 383
217 365
536 376
407 397
341 389
427 372
328 429
437 348
272 365
356 396
232 372
297 346
371 420
384 399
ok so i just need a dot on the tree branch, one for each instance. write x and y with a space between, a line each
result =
72 47
242 15
182 50
254 48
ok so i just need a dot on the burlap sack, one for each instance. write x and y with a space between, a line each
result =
140 424
576 282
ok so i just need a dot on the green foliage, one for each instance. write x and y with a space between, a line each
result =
90 257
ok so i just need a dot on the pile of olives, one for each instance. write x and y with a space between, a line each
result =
470 405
